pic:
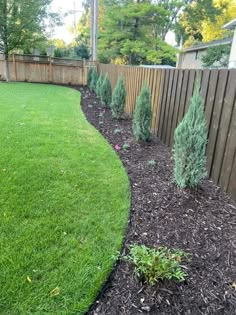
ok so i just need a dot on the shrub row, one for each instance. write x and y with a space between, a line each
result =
190 138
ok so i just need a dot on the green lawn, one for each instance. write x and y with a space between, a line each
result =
64 202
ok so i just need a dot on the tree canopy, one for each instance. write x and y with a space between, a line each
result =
24 24
203 20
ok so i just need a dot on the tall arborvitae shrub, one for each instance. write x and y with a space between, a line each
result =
143 115
89 77
118 99
106 91
94 81
99 86
190 142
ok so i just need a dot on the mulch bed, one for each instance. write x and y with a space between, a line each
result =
201 222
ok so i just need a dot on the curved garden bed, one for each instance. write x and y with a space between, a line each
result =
201 222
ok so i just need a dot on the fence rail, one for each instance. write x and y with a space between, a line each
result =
171 92
44 69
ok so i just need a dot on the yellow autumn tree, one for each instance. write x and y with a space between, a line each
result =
213 30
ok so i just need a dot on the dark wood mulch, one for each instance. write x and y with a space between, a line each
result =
201 222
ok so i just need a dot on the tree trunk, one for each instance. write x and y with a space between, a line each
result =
6 66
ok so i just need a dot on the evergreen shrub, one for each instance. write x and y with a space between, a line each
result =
99 86
143 115
118 99
93 83
89 77
190 140
106 91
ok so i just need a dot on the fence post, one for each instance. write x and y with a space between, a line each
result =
14 67
83 72
50 69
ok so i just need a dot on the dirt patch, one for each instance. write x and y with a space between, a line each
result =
201 222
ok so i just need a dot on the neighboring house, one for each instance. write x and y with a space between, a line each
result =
232 58
190 58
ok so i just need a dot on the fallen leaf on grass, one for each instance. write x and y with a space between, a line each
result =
28 279
54 292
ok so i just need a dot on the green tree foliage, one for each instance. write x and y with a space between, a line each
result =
89 76
190 142
192 18
106 91
58 52
81 51
217 55
118 99
99 86
93 83
133 32
143 115
23 25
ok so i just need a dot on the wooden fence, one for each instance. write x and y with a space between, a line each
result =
44 69
171 92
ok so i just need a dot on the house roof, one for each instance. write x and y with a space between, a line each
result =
209 44
231 25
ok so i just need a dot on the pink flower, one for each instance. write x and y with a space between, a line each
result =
117 147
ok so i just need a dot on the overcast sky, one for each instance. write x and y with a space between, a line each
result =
65 6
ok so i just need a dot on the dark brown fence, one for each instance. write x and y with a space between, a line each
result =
171 92
44 69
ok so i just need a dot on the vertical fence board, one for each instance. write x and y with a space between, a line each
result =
191 82
225 120
177 104
213 131
163 104
232 182
167 106
229 154
171 109
183 95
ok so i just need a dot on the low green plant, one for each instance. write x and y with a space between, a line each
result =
116 131
125 146
93 83
99 85
118 99
106 91
143 115
89 77
151 163
190 140
157 264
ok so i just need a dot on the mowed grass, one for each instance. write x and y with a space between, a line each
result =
64 202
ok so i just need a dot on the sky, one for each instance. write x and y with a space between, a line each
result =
64 6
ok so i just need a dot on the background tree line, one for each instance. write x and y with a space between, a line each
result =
134 31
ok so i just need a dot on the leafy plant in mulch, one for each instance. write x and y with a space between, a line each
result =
125 146
116 131
153 264
99 86
143 115
151 163
89 77
93 83
118 99
190 142
106 91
